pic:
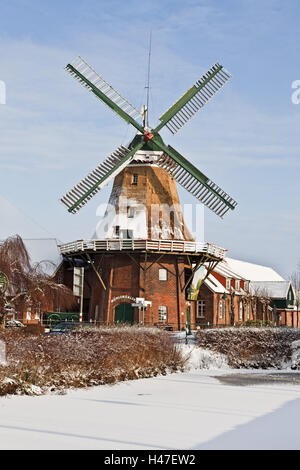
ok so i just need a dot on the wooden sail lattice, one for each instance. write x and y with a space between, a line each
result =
186 174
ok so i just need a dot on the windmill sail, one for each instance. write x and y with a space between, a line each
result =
194 181
186 174
194 99
89 186
90 79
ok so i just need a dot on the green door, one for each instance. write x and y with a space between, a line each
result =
124 313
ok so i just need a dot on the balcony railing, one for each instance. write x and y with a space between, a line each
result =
171 246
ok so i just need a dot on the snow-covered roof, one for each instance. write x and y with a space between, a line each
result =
275 289
44 251
250 271
225 270
214 285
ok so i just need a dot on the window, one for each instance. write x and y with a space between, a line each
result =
162 313
248 312
228 283
162 274
130 212
201 309
134 179
37 313
127 234
237 284
28 314
117 230
246 286
241 311
221 309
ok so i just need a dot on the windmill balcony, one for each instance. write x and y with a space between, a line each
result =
170 246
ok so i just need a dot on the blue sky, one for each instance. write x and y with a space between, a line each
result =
52 132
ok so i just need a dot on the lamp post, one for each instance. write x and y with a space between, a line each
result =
188 312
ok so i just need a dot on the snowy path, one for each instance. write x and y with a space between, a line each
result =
180 411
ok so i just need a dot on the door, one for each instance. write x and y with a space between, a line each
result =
124 313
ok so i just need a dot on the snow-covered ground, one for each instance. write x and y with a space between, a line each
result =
191 410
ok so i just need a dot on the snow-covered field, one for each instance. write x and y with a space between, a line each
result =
190 410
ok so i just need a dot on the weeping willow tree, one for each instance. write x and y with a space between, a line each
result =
28 286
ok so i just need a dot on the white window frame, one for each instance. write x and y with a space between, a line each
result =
135 178
28 314
221 306
241 310
201 306
237 284
162 274
37 314
228 283
162 313
246 286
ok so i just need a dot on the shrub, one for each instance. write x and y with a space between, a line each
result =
37 364
255 348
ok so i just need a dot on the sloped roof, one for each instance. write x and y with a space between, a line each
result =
224 269
214 285
250 271
275 289
44 251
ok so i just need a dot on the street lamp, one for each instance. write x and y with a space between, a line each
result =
188 311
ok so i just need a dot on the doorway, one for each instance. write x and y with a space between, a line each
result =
124 313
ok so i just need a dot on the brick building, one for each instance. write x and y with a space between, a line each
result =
237 292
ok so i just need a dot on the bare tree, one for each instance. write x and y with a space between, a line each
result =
265 300
232 306
260 297
29 287
295 280
254 298
246 300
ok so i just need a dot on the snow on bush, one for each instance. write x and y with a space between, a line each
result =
253 348
36 364
199 358
295 359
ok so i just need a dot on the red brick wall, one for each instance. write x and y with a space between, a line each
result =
126 276
212 309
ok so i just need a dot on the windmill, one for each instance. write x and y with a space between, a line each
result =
170 160
158 261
